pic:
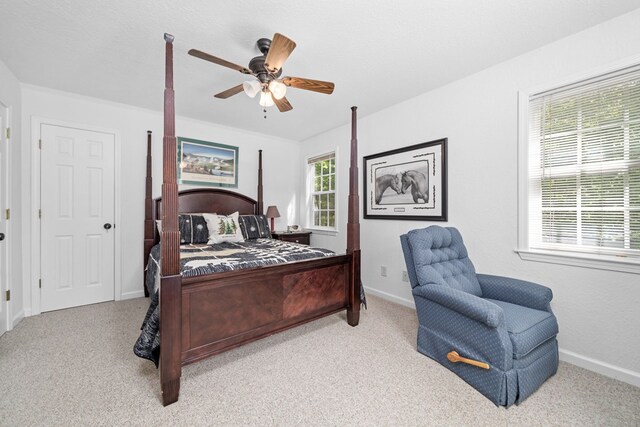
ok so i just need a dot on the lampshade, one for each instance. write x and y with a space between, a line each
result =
265 99
272 212
277 89
251 87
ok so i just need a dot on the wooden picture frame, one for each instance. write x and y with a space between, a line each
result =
205 163
408 183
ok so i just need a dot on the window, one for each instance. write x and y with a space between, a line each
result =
583 178
322 182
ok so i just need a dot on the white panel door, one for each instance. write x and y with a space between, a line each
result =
77 202
4 189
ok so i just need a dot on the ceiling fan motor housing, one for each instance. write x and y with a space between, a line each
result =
256 65
263 45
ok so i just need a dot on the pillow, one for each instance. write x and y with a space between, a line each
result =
223 228
254 227
193 228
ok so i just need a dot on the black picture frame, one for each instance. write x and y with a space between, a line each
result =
417 174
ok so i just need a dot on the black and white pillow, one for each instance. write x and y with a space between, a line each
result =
193 228
254 227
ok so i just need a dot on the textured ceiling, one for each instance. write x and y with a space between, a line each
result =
378 52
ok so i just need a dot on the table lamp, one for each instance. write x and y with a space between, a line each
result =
272 212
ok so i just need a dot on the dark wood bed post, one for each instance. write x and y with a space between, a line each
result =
260 198
353 227
148 219
171 281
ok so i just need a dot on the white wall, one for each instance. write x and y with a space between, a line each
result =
597 310
131 123
10 97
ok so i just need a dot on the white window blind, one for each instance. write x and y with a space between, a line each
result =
322 179
584 166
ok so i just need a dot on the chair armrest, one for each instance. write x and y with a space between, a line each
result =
515 291
466 304
456 320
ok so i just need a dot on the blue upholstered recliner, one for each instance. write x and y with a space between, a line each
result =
506 325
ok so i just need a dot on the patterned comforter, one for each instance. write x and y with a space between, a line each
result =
201 259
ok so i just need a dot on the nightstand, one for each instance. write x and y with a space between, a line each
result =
294 236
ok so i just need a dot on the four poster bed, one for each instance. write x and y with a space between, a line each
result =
203 315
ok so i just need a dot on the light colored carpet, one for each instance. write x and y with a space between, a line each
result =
76 367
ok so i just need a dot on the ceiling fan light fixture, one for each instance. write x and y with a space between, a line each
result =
278 89
251 88
265 99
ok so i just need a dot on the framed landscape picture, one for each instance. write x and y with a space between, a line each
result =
207 163
407 183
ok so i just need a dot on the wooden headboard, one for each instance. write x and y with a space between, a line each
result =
207 200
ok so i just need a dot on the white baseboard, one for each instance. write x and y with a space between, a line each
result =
597 366
17 319
131 295
390 297
600 367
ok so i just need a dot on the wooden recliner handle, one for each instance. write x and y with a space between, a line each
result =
454 357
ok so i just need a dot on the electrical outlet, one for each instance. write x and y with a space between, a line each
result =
383 270
405 276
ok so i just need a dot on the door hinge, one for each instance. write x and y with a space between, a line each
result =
39 144
39 283
7 214
8 133
39 213
8 295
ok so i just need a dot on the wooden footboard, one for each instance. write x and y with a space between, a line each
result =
225 310
207 315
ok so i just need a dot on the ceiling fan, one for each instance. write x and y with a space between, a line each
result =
267 69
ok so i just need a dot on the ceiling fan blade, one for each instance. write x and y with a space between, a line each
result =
219 61
280 49
309 84
229 92
283 104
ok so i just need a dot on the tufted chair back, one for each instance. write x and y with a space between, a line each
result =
438 256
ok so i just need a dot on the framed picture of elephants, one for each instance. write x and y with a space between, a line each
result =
407 183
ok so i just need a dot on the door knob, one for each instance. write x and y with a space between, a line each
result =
107 226
1 236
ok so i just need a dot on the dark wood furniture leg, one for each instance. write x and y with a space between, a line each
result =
148 220
170 331
171 281
260 200
353 228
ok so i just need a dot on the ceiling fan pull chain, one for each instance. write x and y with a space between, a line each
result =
265 112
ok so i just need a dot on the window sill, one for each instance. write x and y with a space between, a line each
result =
323 231
600 262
